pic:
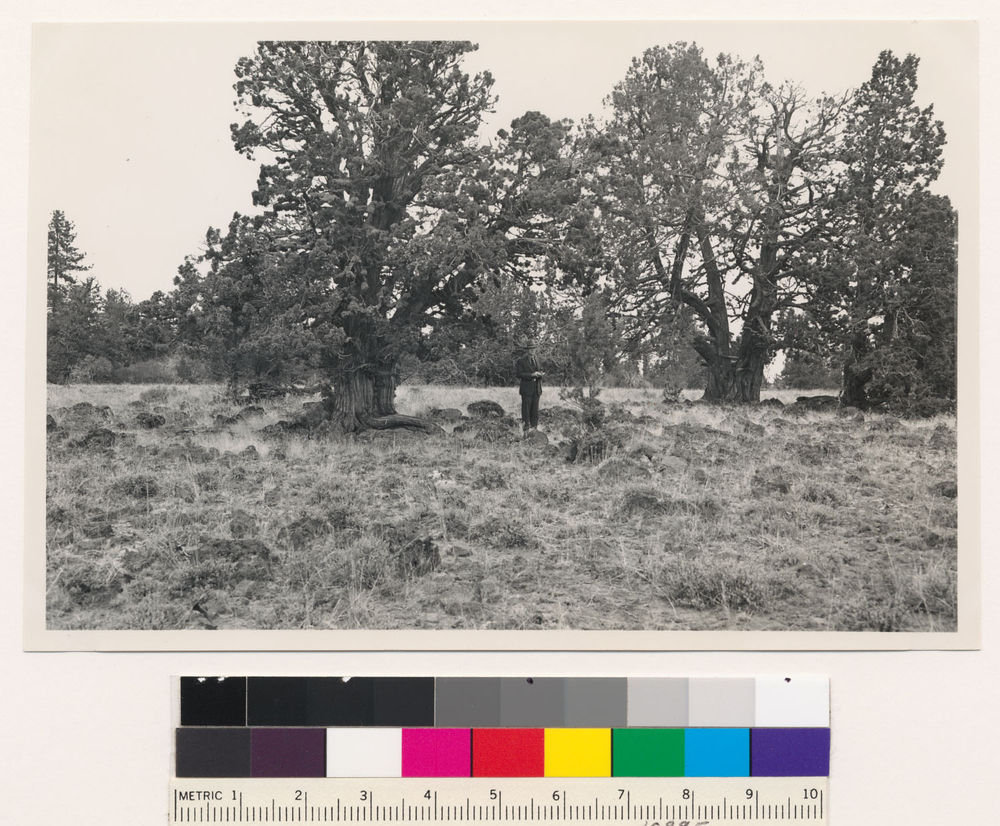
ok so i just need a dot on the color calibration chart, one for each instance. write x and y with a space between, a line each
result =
405 749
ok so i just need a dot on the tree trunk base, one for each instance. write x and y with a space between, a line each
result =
408 422
347 423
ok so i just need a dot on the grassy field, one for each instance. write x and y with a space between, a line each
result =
644 516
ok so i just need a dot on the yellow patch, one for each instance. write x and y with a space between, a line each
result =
578 752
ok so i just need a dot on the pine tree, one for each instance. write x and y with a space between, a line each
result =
64 259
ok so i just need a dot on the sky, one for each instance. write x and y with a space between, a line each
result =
130 122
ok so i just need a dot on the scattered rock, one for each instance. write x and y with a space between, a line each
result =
674 464
887 424
389 436
947 488
98 528
619 413
536 438
246 558
781 423
642 450
277 430
619 468
88 585
447 414
418 557
486 409
189 453
250 453
98 438
488 589
305 531
242 524
641 501
771 403
138 486
84 414
942 438
558 416
816 453
249 413
820 494
277 455
207 480
85 409
769 480
743 425
907 440
50 423
490 430
314 414
149 421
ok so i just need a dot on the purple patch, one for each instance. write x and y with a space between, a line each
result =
288 752
790 752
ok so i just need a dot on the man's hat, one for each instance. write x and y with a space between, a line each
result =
528 343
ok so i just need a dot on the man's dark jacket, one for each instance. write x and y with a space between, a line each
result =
525 366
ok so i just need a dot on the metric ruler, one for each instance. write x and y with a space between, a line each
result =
669 801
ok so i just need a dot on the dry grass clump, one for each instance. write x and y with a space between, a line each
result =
634 514
731 586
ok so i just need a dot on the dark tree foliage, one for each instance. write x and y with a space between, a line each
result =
715 189
914 345
710 221
73 305
479 346
244 315
382 208
584 345
371 196
64 259
668 360
74 329
892 236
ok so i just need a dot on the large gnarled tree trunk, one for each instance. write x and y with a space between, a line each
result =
363 389
734 379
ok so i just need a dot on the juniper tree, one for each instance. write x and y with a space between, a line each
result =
369 188
892 234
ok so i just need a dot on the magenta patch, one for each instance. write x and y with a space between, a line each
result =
441 752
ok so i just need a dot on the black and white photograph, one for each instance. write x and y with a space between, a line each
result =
646 332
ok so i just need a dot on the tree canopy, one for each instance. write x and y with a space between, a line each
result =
708 219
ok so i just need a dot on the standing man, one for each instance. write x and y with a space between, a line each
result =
527 371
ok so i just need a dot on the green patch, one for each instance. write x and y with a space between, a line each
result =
647 752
